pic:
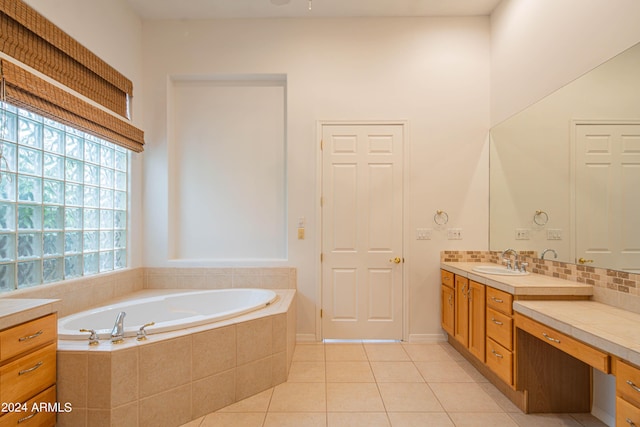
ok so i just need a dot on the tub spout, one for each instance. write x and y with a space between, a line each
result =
117 333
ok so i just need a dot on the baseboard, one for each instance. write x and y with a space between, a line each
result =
603 416
427 338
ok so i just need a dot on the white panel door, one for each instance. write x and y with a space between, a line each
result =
608 195
362 263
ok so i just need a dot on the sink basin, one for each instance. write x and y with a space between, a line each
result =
498 270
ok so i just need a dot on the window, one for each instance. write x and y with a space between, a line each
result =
63 201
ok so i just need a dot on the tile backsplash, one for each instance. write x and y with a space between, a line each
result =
614 287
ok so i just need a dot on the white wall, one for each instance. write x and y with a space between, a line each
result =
539 46
111 30
431 72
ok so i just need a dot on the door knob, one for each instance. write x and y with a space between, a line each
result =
584 261
395 260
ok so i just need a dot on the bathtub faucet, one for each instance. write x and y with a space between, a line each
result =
117 333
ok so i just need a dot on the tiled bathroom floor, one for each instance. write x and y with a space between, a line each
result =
371 385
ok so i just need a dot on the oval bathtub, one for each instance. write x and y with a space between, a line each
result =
169 312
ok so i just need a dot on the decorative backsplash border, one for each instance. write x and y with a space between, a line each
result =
603 278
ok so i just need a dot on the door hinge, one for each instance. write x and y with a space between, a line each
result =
321 144
321 313
321 201
321 257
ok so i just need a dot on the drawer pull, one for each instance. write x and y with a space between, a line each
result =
630 422
498 300
497 322
33 368
450 300
464 292
544 334
633 386
30 337
497 354
28 417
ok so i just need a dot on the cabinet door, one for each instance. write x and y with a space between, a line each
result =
476 319
448 309
462 310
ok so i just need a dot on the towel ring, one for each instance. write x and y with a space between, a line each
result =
441 217
541 217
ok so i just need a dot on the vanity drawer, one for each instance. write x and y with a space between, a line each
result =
500 328
628 383
573 347
28 375
27 336
626 413
500 361
500 300
447 278
25 417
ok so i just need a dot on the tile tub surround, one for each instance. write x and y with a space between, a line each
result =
217 278
613 287
177 376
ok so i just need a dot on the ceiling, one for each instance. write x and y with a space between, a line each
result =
220 9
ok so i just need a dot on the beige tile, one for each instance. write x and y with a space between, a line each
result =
588 420
278 368
172 358
464 397
345 352
298 397
98 418
502 400
472 371
77 417
409 397
214 392
427 352
452 352
256 403
194 423
308 353
350 372
396 372
219 346
353 397
279 334
479 419
307 372
171 408
386 352
125 416
357 419
72 378
420 419
448 371
226 419
254 340
295 419
544 420
253 378
124 377
99 381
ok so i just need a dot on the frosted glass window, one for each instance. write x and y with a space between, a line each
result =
228 201
57 209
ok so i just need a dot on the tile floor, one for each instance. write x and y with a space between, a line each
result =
391 385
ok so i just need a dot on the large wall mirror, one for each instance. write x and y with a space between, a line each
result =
565 172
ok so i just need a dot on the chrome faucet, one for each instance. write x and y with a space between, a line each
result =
515 262
555 254
117 333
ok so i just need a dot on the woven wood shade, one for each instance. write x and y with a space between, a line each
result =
35 41
26 90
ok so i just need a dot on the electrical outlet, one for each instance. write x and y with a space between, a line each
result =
454 233
523 234
423 233
554 234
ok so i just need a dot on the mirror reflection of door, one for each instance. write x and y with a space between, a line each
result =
607 194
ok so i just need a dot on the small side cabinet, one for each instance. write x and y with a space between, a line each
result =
447 297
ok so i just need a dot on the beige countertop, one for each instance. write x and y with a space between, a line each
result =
14 311
608 328
531 284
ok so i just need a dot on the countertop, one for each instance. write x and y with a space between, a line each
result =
14 311
608 328
531 284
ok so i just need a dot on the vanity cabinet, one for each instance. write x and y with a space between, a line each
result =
447 297
28 372
499 318
469 315
627 394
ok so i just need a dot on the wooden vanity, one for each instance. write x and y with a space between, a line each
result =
28 345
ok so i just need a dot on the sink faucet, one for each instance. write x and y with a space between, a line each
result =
117 333
515 262
555 254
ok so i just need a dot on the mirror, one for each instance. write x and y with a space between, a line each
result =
565 172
